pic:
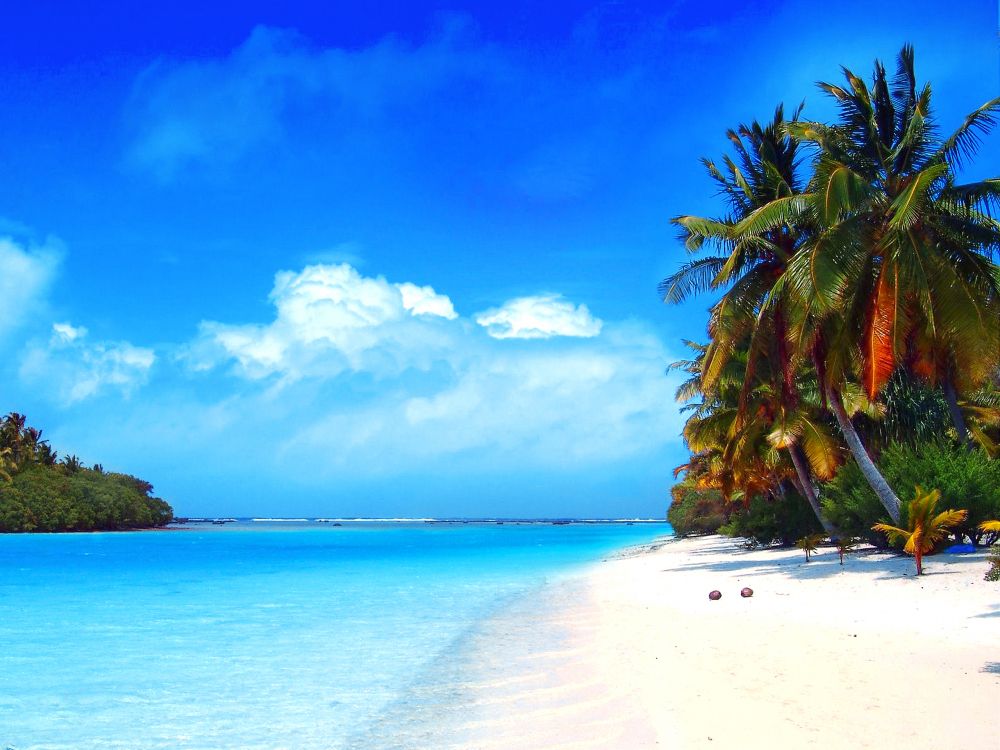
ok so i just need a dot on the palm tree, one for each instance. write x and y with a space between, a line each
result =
897 269
7 466
739 435
983 410
746 263
22 442
747 260
809 544
12 436
924 528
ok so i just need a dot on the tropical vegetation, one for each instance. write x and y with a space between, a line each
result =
853 348
41 492
993 573
925 527
810 544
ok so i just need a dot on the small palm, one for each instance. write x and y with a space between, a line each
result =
925 527
810 544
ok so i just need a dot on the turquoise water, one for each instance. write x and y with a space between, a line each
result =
252 635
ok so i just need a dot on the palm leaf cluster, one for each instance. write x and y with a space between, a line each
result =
850 258
21 445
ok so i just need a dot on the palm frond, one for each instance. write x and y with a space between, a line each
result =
786 211
692 277
964 143
906 209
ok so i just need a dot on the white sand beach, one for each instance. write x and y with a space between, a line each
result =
864 655
860 656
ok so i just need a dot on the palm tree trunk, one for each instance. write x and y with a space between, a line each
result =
886 496
809 489
956 413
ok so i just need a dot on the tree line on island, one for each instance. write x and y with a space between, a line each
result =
41 492
854 350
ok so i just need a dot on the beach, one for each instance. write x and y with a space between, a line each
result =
861 656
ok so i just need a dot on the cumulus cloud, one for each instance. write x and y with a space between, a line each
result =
423 300
26 273
330 319
75 369
539 317
482 396
357 380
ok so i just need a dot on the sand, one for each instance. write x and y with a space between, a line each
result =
631 654
861 656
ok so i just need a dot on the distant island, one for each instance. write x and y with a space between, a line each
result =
41 492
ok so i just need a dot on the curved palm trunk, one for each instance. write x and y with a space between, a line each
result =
956 413
888 498
809 489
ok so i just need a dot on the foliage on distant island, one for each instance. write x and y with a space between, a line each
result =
853 349
41 492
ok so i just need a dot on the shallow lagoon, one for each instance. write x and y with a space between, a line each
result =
253 635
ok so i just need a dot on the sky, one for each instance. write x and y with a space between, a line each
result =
392 258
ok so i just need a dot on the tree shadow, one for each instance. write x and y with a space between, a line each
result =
824 564
820 566
994 613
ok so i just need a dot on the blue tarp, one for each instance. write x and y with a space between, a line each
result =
960 549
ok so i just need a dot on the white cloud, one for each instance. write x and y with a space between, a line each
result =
539 317
26 274
423 300
573 403
575 397
357 380
66 333
330 319
76 369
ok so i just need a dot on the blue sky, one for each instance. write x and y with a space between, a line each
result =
390 258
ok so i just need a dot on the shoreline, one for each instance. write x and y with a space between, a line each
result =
631 654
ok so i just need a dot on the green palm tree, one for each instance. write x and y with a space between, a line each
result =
746 264
896 269
924 528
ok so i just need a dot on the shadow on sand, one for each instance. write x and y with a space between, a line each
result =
994 613
824 564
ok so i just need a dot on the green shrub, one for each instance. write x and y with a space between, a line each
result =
695 511
852 507
993 574
967 480
768 520
54 498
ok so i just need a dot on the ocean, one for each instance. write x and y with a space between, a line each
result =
265 635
